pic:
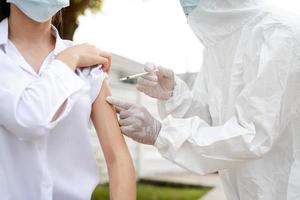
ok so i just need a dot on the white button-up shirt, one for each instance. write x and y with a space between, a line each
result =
40 159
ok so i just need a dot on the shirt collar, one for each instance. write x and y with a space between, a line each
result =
59 44
4 32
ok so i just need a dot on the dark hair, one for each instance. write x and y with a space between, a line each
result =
4 9
57 21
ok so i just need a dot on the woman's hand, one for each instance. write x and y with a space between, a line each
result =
85 55
108 56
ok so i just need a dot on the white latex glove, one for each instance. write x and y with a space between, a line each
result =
159 85
136 122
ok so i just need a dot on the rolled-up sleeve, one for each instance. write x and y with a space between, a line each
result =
28 113
94 77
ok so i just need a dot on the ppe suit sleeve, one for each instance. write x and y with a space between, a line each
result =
186 103
250 133
29 110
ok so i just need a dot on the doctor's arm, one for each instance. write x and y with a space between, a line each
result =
249 134
120 166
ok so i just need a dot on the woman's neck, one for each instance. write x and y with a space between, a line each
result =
23 29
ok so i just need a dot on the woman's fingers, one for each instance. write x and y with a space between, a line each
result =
89 55
92 60
85 55
106 66
104 62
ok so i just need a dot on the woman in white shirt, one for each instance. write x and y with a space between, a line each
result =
47 98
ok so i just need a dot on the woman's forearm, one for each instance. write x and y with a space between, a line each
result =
122 181
120 166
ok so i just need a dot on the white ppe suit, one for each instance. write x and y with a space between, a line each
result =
242 117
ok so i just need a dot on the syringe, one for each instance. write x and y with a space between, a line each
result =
136 75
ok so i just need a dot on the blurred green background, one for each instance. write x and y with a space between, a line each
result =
156 192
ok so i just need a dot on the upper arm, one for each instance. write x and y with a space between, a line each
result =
105 120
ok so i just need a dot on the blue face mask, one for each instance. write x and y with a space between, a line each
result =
40 10
189 5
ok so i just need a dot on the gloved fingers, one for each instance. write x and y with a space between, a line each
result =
165 95
140 140
150 77
128 130
118 103
143 89
146 83
126 122
148 92
125 114
118 109
164 72
149 67
132 135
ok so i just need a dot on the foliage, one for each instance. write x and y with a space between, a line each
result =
152 192
70 15
82 5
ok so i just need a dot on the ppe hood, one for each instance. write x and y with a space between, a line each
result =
214 20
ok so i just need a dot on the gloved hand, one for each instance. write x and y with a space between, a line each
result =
136 122
159 85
